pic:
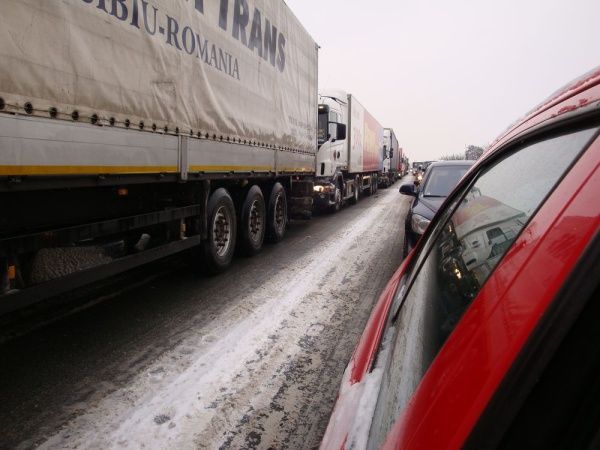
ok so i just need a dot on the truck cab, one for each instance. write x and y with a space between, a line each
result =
332 154
349 151
388 174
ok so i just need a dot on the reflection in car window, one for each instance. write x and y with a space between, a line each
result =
457 259
442 180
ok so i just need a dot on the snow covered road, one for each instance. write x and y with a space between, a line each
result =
248 359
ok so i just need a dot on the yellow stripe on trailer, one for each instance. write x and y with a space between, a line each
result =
92 170
231 169
246 169
295 169
83 170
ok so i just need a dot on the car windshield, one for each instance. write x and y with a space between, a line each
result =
442 179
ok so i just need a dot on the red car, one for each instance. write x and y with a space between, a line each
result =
488 335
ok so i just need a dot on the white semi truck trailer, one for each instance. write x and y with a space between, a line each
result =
132 130
350 155
392 156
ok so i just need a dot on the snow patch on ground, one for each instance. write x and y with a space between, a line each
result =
190 397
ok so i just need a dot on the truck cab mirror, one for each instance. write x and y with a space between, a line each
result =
391 153
332 131
341 131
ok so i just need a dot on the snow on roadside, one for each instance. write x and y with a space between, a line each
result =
191 395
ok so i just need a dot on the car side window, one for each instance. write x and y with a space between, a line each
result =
468 241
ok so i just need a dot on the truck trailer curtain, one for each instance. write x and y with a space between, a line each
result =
242 70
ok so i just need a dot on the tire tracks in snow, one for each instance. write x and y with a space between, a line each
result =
262 372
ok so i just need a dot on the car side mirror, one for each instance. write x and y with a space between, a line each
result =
408 189
341 131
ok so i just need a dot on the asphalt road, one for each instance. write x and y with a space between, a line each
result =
249 359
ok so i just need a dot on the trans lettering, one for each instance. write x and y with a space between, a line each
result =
254 31
270 44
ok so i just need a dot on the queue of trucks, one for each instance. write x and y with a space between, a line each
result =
138 132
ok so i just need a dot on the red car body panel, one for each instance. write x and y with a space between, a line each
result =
472 363
369 341
579 94
362 358
468 369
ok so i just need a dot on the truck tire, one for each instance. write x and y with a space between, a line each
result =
277 217
354 199
219 247
252 222
371 189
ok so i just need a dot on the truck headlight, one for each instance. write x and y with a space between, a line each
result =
419 223
324 188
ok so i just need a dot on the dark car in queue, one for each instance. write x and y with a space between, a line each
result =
487 335
438 181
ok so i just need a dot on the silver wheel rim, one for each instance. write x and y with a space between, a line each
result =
222 231
279 212
255 224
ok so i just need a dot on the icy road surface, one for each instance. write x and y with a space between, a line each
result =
250 359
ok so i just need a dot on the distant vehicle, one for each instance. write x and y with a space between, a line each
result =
426 164
420 167
350 154
438 181
393 159
416 167
487 335
405 165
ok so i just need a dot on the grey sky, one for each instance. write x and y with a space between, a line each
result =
445 74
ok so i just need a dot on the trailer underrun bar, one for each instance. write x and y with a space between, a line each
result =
19 299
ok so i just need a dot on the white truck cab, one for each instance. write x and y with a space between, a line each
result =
385 180
392 155
332 156
350 146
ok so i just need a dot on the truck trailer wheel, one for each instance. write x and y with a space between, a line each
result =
252 222
371 189
220 245
277 213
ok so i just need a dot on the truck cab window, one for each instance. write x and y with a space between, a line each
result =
323 126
